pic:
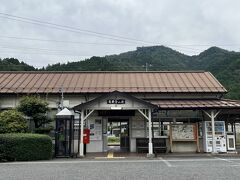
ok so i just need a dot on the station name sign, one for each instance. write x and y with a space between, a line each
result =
116 101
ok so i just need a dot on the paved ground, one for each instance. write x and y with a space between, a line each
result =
169 168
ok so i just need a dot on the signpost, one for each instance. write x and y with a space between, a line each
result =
116 101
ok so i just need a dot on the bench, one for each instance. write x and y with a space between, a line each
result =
142 145
159 145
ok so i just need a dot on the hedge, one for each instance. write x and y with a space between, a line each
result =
25 147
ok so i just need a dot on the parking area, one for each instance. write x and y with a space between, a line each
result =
179 168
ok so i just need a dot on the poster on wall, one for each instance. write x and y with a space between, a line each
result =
183 132
138 124
95 126
138 133
138 128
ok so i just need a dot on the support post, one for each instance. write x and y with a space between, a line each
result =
212 116
150 145
213 132
81 135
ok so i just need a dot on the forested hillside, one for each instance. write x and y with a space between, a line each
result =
13 64
225 65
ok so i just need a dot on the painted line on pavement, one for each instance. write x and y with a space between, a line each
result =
228 160
109 158
110 155
79 161
165 162
201 159
222 159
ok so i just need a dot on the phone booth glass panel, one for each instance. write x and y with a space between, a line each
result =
64 139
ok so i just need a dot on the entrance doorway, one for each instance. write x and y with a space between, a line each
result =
118 135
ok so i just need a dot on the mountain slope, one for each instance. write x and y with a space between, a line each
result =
12 64
224 65
157 57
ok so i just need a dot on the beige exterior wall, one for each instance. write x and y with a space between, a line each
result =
70 100
11 101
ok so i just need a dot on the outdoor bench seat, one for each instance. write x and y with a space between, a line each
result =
142 145
159 145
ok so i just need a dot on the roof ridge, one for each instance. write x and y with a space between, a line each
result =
31 72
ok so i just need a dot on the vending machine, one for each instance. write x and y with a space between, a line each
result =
231 146
220 136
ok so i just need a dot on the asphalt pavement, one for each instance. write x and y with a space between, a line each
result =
161 168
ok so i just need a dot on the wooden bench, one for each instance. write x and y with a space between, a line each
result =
159 145
141 145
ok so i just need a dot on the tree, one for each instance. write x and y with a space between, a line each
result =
12 121
35 108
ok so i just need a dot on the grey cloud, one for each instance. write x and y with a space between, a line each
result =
167 22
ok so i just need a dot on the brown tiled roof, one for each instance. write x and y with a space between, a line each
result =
98 82
197 104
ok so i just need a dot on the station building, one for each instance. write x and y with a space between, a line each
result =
143 112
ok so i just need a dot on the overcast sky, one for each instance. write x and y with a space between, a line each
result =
85 28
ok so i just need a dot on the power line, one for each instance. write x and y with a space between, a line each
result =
52 52
61 41
64 29
37 50
22 51
112 44
78 30
60 50
186 49
34 48
72 29
91 33
83 30
74 42
45 54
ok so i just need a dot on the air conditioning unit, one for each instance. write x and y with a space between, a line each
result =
66 103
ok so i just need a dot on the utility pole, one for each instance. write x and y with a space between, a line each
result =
62 97
147 65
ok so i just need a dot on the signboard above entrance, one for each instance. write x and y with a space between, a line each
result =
116 101
116 113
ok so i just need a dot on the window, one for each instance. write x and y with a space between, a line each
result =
159 128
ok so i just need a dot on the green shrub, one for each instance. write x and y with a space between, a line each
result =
35 108
25 147
12 121
43 130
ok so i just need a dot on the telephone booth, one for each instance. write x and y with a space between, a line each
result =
64 134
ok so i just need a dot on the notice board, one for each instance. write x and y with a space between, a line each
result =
183 132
